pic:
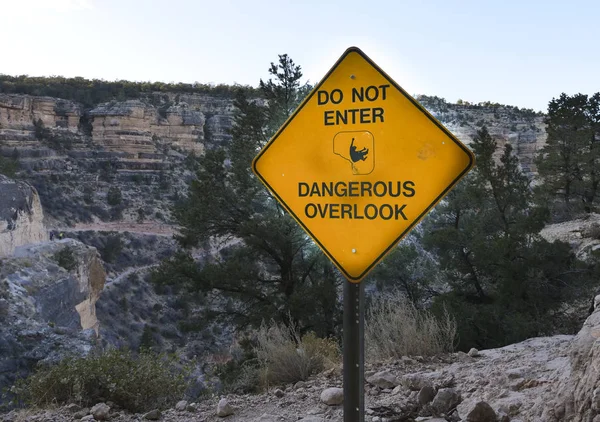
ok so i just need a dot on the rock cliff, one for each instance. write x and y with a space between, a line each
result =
523 129
74 154
21 216
577 398
48 293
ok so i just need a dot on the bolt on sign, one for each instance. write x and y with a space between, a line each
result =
359 163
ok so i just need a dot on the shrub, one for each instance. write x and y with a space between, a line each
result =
286 357
8 166
65 258
135 383
88 195
112 249
394 327
114 197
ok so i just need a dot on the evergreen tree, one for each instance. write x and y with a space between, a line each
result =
272 269
408 269
569 163
506 280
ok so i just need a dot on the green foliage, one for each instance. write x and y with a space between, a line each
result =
506 280
241 373
112 249
147 339
179 270
569 163
88 194
107 170
135 383
9 166
274 269
113 197
141 215
58 142
96 91
65 258
409 270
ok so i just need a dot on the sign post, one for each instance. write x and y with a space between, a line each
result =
354 347
358 165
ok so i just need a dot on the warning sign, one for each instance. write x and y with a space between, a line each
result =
360 163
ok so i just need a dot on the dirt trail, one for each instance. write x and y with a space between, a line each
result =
143 228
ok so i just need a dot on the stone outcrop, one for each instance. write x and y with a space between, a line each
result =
21 216
579 393
68 300
20 112
48 293
135 127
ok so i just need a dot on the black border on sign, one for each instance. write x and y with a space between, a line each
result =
416 220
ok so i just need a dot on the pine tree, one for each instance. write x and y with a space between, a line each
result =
569 163
506 280
271 269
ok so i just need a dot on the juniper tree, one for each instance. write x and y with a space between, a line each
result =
569 163
271 270
506 279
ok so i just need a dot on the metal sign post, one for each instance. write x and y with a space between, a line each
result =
353 347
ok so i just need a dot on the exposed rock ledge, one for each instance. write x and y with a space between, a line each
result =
46 311
21 216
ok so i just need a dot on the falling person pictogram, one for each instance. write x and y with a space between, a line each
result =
356 155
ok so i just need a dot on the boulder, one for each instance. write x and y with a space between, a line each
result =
224 408
100 411
426 395
473 352
578 396
332 396
181 406
482 412
383 379
153 415
445 400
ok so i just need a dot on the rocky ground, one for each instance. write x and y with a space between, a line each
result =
517 382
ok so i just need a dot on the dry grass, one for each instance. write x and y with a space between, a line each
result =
286 357
395 328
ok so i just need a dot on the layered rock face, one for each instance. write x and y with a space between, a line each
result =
73 155
21 216
19 112
144 146
48 295
524 130
134 127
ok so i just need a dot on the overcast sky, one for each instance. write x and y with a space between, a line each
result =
517 52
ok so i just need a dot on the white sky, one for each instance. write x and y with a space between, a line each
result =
518 52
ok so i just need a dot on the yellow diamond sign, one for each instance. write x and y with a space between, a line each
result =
360 163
